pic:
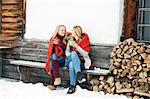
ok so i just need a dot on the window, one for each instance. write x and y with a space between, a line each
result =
143 24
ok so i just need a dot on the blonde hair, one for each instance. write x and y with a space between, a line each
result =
78 30
56 30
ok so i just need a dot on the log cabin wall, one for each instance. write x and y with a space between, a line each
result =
36 51
12 26
12 22
0 15
130 19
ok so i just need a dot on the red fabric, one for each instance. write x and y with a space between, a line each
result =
55 65
85 43
57 50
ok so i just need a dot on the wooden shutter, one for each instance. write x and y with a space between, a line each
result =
12 22
130 20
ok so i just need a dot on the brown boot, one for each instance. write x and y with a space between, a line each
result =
51 87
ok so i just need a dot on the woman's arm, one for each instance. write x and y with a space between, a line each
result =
81 50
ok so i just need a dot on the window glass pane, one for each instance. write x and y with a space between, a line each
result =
138 32
146 33
147 3
146 17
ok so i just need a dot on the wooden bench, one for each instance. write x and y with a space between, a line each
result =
42 65
33 53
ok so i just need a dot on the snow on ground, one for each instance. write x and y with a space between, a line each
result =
19 90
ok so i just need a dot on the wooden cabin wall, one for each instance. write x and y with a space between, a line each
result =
0 15
130 19
12 22
35 50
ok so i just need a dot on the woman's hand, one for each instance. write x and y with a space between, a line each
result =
75 45
55 41
75 36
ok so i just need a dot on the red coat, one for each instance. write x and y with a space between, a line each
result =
57 50
85 43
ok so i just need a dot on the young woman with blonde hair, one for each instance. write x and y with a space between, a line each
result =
56 55
77 53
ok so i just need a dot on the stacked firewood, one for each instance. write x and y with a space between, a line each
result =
130 65
129 71
103 83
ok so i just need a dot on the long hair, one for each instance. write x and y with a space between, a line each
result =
56 30
78 30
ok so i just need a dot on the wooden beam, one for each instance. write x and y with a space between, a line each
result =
11 32
0 15
24 17
130 21
8 38
9 1
9 7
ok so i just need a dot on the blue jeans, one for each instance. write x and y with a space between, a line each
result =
73 63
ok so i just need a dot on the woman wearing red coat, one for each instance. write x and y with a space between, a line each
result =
56 56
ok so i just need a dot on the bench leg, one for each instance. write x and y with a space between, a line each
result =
20 76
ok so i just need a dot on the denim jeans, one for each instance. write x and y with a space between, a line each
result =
73 63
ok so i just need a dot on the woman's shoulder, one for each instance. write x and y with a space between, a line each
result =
85 35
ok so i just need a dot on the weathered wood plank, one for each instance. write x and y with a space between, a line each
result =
9 7
101 62
33 51
9 1
38 72
102 51
13 75
8 38
34 58
10 68
12 26
11 19
28 63
34 44
6 13
11 32
37 79
12 44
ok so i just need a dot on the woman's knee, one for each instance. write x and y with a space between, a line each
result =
53 57
71 66
74 54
